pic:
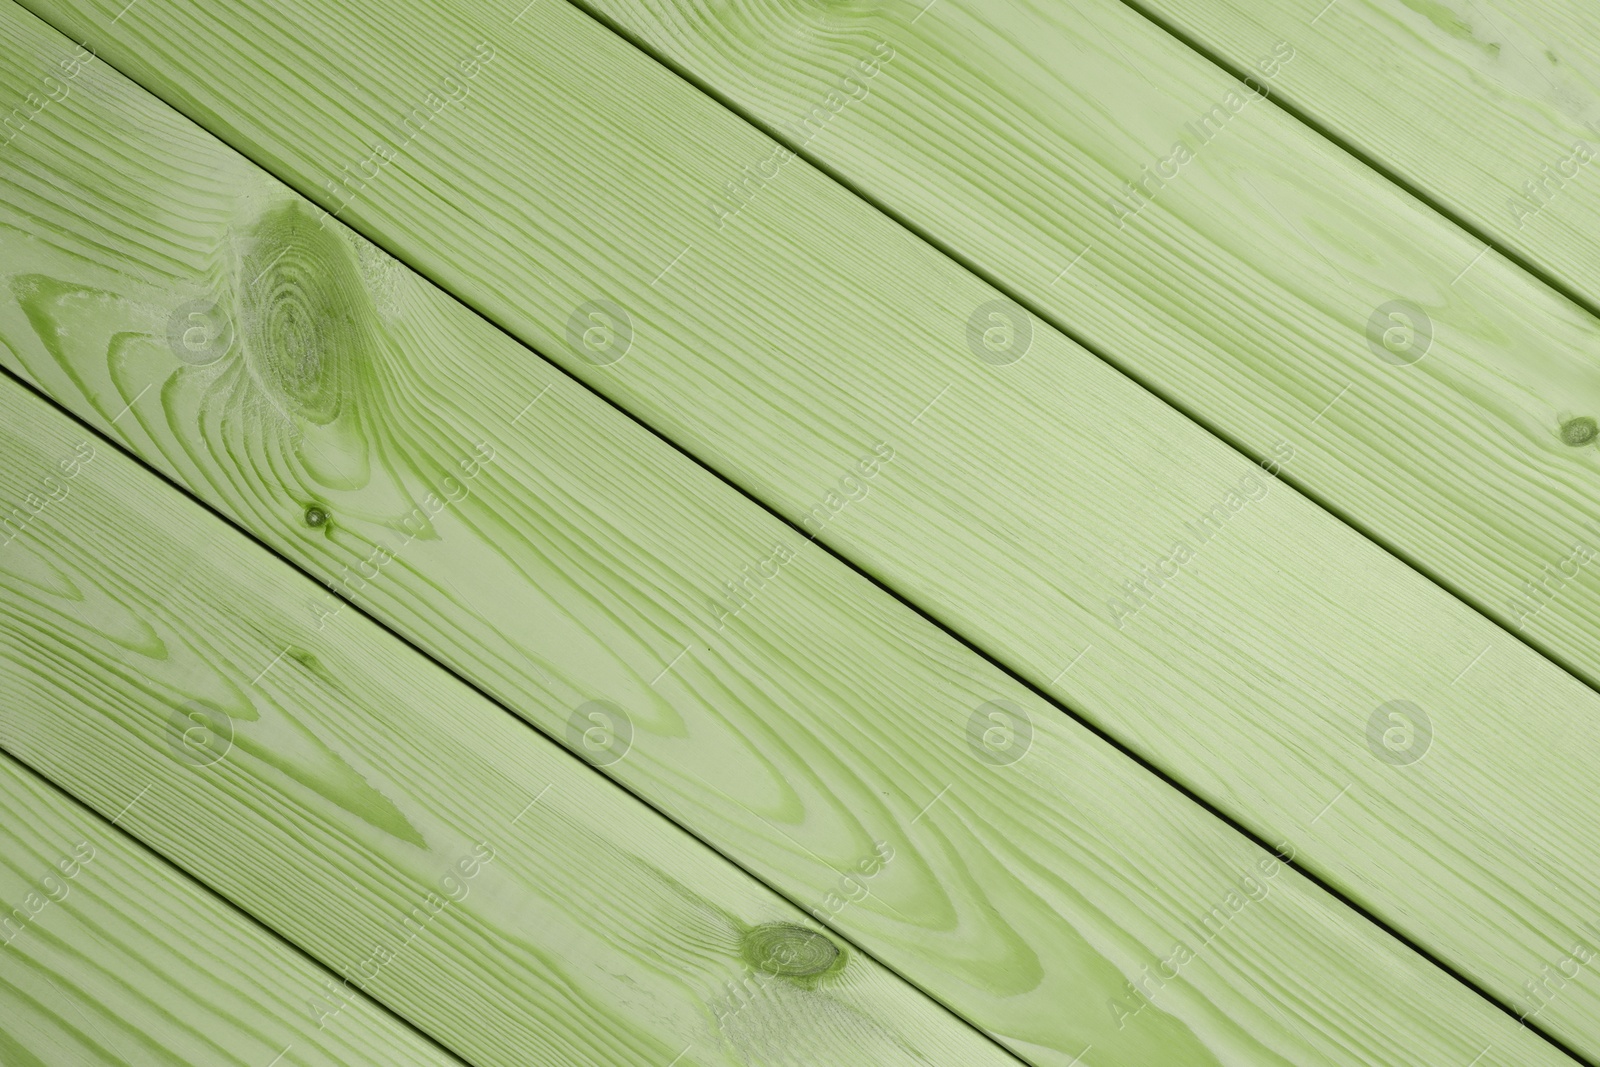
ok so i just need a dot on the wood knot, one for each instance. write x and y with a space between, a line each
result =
790 950
310 329
1579 431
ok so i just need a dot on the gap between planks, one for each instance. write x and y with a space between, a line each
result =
1216 430
456 676
1001 665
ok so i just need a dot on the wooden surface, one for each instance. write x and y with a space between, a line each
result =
1490 108
1022 495
109 956
1240 287
820 727
370 809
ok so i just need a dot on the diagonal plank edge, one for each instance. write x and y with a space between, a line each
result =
931 813
1501 121
1125 1003
1173 281
1569 648
104 950
431 851
331 504
1226 368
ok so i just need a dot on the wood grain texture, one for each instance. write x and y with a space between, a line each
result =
1240 277
109 956
1490 107
587 561
1125 882
429 849
820 722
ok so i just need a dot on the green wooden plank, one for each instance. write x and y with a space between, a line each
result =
1490 108
109 956
1235 261
587 561
431 850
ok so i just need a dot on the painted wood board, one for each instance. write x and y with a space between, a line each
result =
1234 261
142 646
109 956
1272 688
428 848
1042 884
1490 108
